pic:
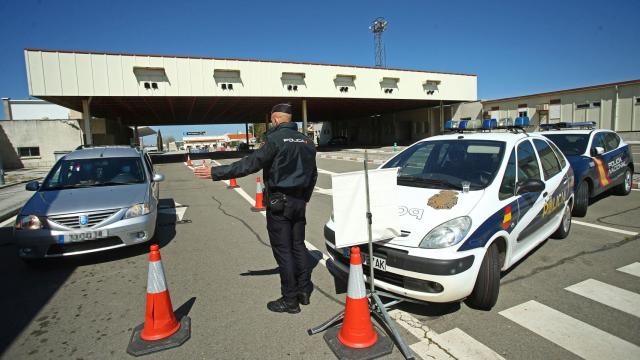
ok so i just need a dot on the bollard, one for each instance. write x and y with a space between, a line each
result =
395 146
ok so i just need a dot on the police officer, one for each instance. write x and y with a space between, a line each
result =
288 162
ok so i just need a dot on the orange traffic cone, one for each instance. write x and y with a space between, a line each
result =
232 184
259 197
357 330
160 330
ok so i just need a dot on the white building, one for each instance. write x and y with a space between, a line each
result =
614 106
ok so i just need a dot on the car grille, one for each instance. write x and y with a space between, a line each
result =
73 220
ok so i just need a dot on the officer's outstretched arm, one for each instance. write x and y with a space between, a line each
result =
247 165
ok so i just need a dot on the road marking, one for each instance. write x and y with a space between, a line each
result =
322 171
7 222
633 269
429 344
612 296
574 335
624 232
320 190
635 189
464 346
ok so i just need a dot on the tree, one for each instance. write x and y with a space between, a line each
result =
159 143
170 139
258 129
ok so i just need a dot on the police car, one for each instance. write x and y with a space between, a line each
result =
471 206
600 160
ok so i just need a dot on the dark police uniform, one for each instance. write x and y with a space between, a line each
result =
288 162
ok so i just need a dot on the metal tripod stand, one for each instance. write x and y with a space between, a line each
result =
377 308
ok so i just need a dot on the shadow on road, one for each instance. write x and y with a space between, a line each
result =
26 289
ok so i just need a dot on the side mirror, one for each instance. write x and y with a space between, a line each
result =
32 186
529 186
598 150
158 177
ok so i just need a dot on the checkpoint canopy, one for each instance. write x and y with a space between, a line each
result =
173 90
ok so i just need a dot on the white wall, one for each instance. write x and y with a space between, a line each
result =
48 135
37 109
53 73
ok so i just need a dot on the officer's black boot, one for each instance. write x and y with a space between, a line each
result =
283 305
304 298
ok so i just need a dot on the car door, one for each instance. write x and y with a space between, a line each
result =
616 158
601 161
530 205
155 187
556 191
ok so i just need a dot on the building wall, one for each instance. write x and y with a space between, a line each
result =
47 135
37 109
55 73
569 107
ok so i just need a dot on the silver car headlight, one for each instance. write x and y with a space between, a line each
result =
137 210
447 234
29 222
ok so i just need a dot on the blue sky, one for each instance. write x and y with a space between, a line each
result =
515 47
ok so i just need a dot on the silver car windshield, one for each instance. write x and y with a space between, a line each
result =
448 163
94 172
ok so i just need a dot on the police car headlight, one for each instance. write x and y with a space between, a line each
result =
447 234
29 222
137 210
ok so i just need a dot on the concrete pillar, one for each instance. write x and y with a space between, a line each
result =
304 116
616 104
86 115
136 138
441 125
6 104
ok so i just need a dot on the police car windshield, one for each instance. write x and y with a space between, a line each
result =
570 144
448 163
94 172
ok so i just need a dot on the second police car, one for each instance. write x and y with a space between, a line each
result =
600 160
471 206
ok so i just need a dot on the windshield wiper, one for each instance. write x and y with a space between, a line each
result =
437 182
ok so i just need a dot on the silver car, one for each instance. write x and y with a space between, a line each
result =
93 199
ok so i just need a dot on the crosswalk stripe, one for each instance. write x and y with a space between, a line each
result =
464 346
612 296
574 335
8 222
632 269
323 171
428 346
323 191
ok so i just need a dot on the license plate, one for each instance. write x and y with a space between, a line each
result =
84 236
378 263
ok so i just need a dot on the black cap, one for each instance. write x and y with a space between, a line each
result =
283 108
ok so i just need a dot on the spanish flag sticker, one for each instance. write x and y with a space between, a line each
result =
603 177
506 220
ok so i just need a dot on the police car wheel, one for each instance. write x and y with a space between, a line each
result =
625 187
581 200
485 292
565 225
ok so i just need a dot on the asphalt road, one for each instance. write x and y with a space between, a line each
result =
221 272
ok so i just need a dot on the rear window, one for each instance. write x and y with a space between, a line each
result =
570 144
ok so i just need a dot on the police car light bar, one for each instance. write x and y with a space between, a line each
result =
486 124
569 125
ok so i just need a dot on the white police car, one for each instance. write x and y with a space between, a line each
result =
471 206
601 161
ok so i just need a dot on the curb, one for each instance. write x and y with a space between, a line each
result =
18 183
8 214
350 158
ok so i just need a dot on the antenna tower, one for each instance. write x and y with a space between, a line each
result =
378 26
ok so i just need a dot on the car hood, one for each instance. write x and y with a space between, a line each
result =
65 201
423 209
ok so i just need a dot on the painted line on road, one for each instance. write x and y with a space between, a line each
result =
323 171
612 296
8 221
571 334
619 231
250 200
631 269
463 346
635 189
320 190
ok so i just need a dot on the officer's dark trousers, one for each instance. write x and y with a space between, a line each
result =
286 234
